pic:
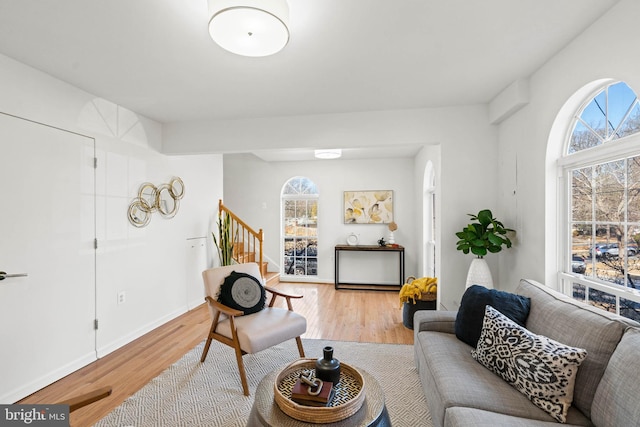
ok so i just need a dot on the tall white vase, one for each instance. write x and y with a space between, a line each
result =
479 274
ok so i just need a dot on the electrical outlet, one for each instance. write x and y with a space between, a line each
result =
122 297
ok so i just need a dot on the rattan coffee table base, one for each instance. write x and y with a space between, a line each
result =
266 413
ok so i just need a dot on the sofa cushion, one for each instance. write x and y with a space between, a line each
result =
576 324
451 377
471 417
471 312
616 400
542 369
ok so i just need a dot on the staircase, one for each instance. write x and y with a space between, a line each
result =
247 243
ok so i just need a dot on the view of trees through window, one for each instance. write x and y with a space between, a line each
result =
300 222
605 202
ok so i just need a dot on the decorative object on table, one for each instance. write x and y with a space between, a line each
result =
347 400
417 294
381 242
352 239
485 235
327 367
310 391
368 207
164 199
392 227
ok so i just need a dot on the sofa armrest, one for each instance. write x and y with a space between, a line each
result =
437 321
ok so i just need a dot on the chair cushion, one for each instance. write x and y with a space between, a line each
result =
542 369
471 313
265 329
243 292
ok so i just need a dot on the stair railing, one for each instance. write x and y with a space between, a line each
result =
247 244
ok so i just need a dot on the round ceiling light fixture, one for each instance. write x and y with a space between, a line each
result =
249 27
328 153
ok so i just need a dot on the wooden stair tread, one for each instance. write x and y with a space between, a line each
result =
271 277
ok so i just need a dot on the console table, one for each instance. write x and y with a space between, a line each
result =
369 248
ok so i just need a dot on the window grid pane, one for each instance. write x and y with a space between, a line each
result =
300 208
604 204
612 114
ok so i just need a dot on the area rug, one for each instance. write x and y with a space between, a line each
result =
190 393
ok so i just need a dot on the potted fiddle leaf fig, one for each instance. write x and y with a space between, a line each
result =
486 234
482 236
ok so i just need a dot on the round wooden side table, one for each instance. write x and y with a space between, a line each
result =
265 412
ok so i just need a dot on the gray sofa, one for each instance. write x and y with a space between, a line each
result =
462 392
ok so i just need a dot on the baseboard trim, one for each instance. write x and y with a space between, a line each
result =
115 345
47 379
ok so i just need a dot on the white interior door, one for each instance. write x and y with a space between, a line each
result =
47 229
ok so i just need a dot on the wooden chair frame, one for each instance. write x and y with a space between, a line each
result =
85 399
234 341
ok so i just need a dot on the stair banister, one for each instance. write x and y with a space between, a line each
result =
250 242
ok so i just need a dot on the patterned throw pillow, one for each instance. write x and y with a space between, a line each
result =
243 292
542 369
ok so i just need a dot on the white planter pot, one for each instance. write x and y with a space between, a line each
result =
479 274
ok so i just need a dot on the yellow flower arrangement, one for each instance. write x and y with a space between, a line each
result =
414 288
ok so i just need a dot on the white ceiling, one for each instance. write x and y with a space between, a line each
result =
156 58
290 155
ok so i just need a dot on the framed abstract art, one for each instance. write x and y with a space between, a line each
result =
368 207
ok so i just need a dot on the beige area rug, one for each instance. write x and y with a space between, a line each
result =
190 393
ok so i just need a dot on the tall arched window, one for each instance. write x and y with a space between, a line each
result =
300 227
601 169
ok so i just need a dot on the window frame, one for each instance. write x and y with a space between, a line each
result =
609 151
284 197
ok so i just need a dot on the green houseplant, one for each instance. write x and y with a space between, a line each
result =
227 241
485 235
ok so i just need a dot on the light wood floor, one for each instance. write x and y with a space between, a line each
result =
364 316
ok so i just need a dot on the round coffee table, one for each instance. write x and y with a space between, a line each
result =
265 412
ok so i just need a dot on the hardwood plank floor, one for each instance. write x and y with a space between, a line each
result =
344 315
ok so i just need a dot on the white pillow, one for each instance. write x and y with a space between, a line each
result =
542 369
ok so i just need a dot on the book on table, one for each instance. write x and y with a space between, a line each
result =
300 394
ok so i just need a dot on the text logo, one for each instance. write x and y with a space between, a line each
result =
34 415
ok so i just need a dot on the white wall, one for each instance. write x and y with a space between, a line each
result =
604 50
468 179
149 264
253 191
430 153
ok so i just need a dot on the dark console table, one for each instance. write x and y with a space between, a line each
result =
369 286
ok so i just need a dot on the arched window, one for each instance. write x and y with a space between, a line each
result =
601 169
300 227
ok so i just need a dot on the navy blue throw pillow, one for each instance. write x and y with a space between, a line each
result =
242 292
470 315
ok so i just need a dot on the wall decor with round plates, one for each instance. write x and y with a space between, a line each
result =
164 199
352 239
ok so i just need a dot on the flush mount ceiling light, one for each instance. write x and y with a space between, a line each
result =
331 153
249 27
